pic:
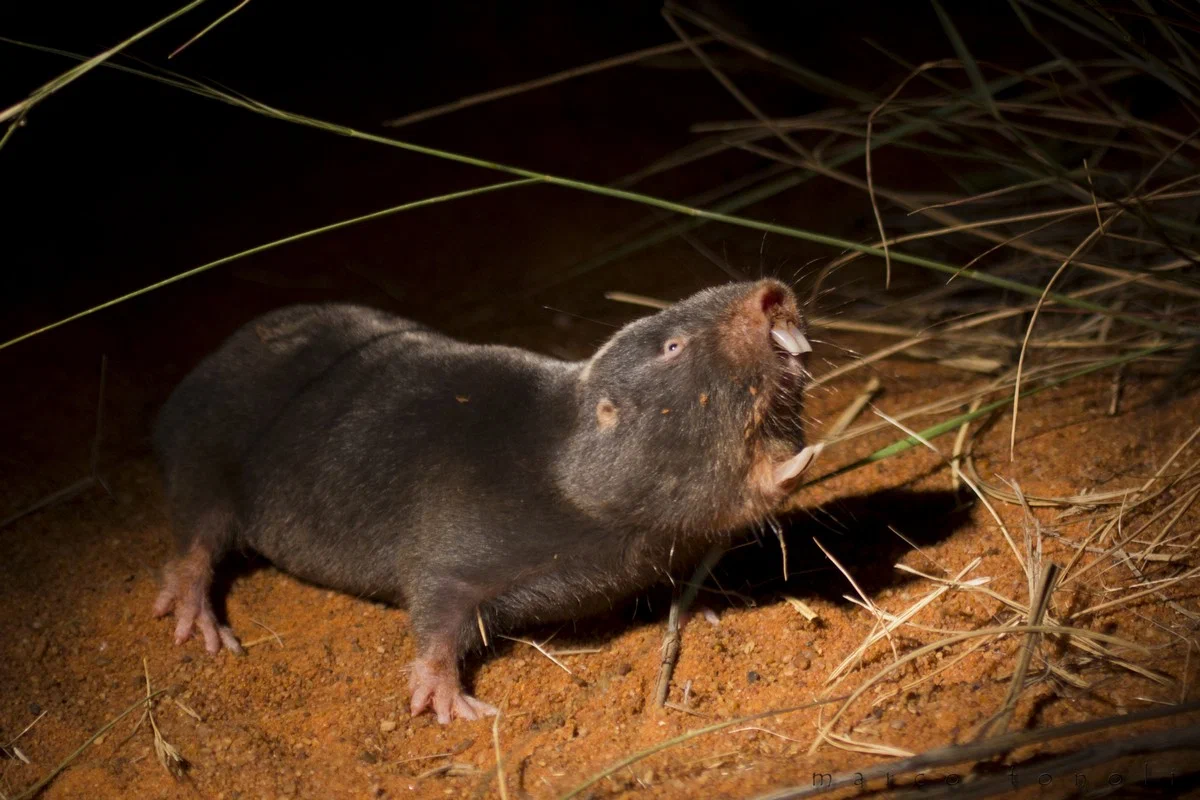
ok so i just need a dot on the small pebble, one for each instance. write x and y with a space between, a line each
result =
387 725
39 649
753 677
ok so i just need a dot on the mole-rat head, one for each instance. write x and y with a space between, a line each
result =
689 420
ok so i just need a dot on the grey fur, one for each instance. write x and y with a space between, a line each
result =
368 453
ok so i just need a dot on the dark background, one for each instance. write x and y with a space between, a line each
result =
116 182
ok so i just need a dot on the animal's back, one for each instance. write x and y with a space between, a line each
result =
221 409
408 457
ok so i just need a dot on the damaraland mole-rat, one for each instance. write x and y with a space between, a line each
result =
479 485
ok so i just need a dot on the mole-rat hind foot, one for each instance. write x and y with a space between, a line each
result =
187 581
435 685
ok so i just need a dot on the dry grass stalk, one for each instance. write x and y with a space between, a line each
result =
633 758
1088 500
168 755
852 411
802 608
1058 630
1038 606
668 655
187 710
899 619
887 256
1029 564
1185 503
952 402
36 788
501 780
867 748
1192 573
960 440
729 85
990 748
278 639
1091 648
1100 229
541 649
10 749
540 83
93 478
1116 554
866 601
1025 567
914 338
955 225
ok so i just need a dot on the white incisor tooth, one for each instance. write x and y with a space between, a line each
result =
800 338
786 340
798 463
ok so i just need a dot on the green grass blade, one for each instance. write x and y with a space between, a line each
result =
208 28
428 201
656 202
22 108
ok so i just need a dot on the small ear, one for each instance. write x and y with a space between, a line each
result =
606 414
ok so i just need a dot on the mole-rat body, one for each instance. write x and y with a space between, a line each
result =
479 485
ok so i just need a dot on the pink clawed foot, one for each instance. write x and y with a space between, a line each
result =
185 591
435 686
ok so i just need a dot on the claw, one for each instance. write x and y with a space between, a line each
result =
436 687
186 592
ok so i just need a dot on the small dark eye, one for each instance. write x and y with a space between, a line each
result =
672 347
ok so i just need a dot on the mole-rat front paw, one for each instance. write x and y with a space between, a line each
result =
196 614
435 686
187 581
187 595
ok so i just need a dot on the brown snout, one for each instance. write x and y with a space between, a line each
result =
766 317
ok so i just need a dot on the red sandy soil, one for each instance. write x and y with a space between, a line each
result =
321 709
